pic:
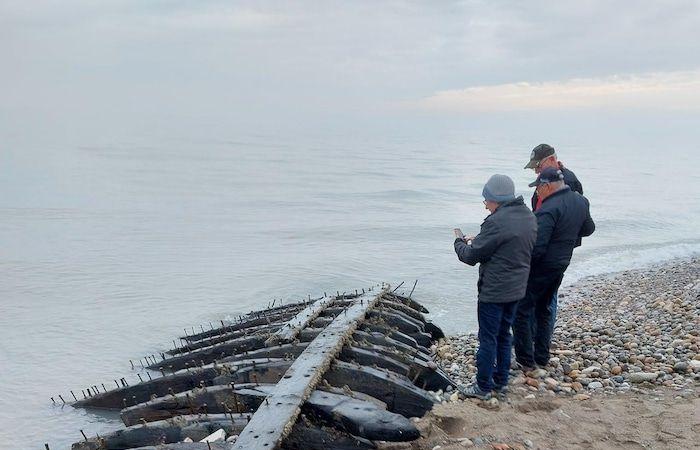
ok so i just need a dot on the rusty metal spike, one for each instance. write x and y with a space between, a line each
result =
85 437
74 397
61 397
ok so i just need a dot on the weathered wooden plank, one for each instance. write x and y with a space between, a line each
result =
385 303
274 419
208 355
266 372
424 373
383 328
284 351
289 331
142 392
407 301
397 319
371 358
208 342
304 436
174 383
397 391
368 419
377 338
166 432
379 335
213 399
360 418
248 321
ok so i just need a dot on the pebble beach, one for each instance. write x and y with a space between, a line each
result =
627 331
624 373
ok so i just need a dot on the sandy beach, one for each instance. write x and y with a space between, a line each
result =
624 373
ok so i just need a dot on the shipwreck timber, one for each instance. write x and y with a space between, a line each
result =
337 372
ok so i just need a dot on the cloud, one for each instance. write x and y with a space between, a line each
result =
675 91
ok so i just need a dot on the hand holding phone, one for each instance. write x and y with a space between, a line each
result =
458 233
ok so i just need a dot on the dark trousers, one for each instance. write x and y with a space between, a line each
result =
534 319
493 355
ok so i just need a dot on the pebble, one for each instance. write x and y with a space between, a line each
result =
612 332
532 382
641 377
537 373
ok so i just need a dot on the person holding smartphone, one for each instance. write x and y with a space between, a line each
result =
503 250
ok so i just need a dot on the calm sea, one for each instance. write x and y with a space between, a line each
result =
109 248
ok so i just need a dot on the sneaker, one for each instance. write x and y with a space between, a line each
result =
474 391
501 392
524 368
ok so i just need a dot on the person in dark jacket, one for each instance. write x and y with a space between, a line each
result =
562 220
503 248
542 157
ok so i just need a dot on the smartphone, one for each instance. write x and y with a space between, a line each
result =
458 233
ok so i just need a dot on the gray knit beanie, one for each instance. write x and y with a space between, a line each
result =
499 189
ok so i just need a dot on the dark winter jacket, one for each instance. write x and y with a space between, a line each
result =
562 220
503 248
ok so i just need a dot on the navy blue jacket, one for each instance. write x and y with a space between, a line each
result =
562 220
503 249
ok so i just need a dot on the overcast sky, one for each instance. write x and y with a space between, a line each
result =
143 61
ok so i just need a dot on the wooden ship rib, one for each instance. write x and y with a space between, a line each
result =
336 372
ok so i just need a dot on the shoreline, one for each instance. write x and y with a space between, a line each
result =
624 372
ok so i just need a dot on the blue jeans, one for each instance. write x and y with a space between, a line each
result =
493 355
553 311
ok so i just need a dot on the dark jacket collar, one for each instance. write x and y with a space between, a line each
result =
515 202
559 192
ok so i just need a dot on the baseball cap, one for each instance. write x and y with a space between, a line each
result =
538 154
548 175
